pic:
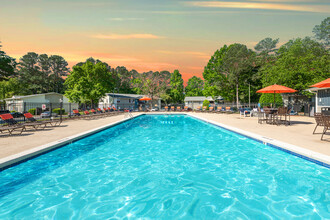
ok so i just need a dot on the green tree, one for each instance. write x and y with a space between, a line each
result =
153 84
238 65
322 31
194 87
58 69
300 63
33 79
266 46
88 82
267 99
7 65
176 83
215 80
10 87
206 103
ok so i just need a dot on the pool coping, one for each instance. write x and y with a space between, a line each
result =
15 159
315 157
306 154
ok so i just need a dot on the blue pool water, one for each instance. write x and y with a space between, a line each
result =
165 167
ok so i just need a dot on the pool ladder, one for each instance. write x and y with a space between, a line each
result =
128 115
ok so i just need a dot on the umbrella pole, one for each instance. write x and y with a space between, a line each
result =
274 100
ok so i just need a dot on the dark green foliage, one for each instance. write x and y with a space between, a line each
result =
322 31
176 83
194 87
299 64
7 65
88 83
206 103
267 99
266 46
58 111
32 111
42 74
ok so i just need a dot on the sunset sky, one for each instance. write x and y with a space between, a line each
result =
151 34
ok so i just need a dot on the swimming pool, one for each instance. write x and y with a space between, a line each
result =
165 166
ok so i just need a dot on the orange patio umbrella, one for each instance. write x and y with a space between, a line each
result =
145 99
276 89
323 84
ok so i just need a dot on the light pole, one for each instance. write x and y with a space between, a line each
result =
61 106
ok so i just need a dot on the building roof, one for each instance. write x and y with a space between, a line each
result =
34 95
122 95
200 98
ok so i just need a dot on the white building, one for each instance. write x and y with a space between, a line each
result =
322 98
126 101
197 101
45 101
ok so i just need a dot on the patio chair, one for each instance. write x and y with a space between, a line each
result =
166 108
198 109
185 108
204 108
178 108
211 109
30 119
326 124
318 121
172 108
282 112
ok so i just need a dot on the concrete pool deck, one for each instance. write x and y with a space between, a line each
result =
299 133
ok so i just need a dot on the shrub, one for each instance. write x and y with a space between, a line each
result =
206 103
58 111
266 99
32 111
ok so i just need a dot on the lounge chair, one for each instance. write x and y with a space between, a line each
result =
198 109
245 112
87 115
229 110
31 119
12 125
326 124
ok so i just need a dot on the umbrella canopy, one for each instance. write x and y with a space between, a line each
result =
323 84
145 99
276 89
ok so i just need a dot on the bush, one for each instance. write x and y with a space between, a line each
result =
266 99
58 111
32 111
206 103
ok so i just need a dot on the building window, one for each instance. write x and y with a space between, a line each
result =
324 97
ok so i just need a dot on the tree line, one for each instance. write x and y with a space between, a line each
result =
233 72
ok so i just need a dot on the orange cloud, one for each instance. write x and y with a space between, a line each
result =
126 36
191 53
256 5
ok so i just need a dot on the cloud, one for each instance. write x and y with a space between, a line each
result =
258 5
126 36
190 53
125 19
